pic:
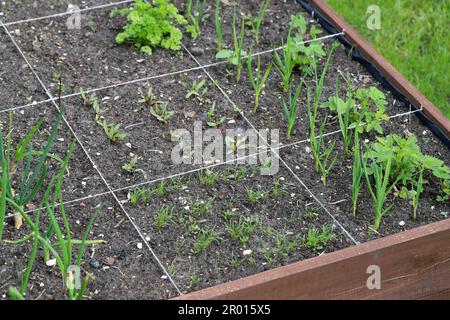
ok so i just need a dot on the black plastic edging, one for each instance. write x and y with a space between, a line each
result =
358 56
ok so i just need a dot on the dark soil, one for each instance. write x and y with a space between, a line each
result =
89 58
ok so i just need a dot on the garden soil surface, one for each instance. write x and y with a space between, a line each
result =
290 204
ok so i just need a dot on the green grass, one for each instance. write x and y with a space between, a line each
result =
413 37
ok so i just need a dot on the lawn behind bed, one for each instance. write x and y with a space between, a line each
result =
414 37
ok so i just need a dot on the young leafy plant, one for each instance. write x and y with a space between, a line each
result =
289 108
257 81
286 63
112 131
408 165
214 120
234 57
151 25
195 18
256 23
161 112
317 240
163 217
381 189
130 167
242 229
205 239
372 109
345 110
199 90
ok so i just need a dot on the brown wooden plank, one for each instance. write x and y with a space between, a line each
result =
388 71
414 264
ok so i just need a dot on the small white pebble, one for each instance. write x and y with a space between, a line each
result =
247 252
139 245
164 277
401 223
41 284
147 238
128 145
51 263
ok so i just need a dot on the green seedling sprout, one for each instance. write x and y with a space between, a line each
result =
289 108
199 90
357 172
196 18
130 167
219 27
235 57
161 112
257 81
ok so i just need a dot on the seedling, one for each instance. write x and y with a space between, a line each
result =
131 166
161 112
255 196
32 179
235 144
200 207
286 64
277 189
140 194
214 120
149 98
317 240
242 229
195 18
88 101
257 81
357 172
228 215
219 27
381 173
256 23
193 280
372 109
112 131
205 239
284 247
208 177
408 164
290 108
172 270
234 57
65 242
322 159
199 90
415 194
151 26
344 110
163 217
161 189
57 79
322 154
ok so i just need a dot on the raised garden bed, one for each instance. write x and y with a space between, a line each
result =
171 229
